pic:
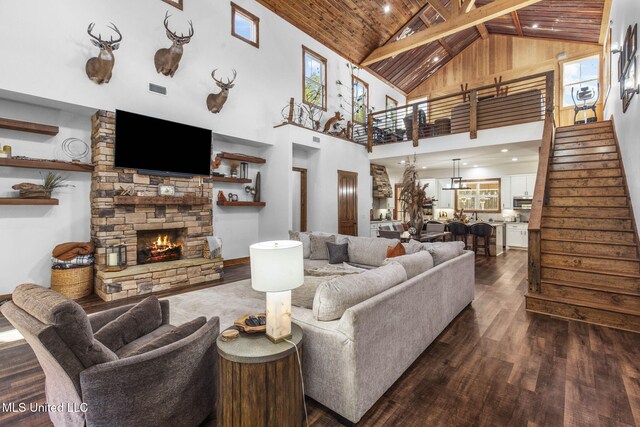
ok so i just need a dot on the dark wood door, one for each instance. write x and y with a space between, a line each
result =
348 203
303 198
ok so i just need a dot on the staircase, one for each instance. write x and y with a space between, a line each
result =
589 267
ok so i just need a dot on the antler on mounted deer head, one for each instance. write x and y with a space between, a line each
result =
215 101
167 60
99 68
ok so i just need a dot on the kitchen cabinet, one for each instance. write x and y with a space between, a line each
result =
518 235
505 193
445 197
522 185
375 225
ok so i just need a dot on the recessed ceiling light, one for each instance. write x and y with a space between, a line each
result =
436 59
402 162
475 166
504 150
515 159
386 8
535 26
465 164
424 167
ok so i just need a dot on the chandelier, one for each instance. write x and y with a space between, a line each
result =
456 178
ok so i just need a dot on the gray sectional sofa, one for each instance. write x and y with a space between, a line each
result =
364 330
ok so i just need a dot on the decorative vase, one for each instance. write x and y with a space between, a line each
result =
256 197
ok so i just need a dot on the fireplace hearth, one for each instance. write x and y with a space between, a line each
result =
159 246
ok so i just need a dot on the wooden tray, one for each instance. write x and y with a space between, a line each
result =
250 329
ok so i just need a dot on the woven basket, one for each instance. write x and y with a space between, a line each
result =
73 283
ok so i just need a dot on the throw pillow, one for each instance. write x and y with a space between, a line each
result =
413 246
170 337
141 319
394 251
414 264
319 246
302 236
338 253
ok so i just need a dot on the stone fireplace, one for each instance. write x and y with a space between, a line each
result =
142 221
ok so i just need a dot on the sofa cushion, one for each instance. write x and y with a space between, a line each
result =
414 264
319 245
444 251
370 251
135 345
139 320
397 250
172 336
338 253
303 237
67 318
413 246
335 296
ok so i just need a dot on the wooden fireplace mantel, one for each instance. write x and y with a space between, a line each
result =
160 200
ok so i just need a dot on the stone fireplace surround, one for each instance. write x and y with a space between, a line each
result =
114 221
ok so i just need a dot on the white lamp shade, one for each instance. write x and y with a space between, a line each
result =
276 266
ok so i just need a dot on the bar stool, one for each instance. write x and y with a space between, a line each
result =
485 231
459 231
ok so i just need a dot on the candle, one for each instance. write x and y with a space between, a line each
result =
7 150
112 259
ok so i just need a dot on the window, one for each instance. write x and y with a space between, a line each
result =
245 25
314 79
392 117
359 100
579 74
482 196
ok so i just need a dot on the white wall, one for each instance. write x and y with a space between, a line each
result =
47 54
48 60
29 233
623 14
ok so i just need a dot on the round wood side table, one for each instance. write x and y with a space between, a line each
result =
259 382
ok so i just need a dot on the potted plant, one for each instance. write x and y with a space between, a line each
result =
50 182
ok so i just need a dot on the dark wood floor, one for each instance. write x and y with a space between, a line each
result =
495 365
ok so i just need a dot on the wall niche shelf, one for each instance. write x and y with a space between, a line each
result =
227 203
16 201
230 179
160 200
30 127
46 164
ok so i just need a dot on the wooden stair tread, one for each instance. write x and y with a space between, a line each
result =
592 271
601 123
547 215
593 287
577 255
606 230
592 242
588 304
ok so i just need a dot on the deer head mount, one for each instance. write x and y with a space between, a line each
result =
99 68
167 60
215 101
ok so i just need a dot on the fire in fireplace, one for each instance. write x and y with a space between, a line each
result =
163 246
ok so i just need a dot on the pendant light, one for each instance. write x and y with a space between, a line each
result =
456 178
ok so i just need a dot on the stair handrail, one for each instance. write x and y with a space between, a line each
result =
540 191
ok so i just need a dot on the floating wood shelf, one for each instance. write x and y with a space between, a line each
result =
46 164
160 200
21 126
32 202
242 158
241 203
229 179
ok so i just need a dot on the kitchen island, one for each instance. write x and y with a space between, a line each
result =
496 242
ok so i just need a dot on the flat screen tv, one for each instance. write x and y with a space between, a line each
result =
160 147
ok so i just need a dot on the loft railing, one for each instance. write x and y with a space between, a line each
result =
540 193
517 101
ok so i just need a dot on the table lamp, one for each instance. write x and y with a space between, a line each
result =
276 268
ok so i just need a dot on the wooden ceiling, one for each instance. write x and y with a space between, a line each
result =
355 28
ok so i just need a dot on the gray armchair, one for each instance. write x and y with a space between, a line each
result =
171 385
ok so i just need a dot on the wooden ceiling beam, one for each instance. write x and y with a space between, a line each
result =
446 46
454 25
444 13
516 22
467 5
